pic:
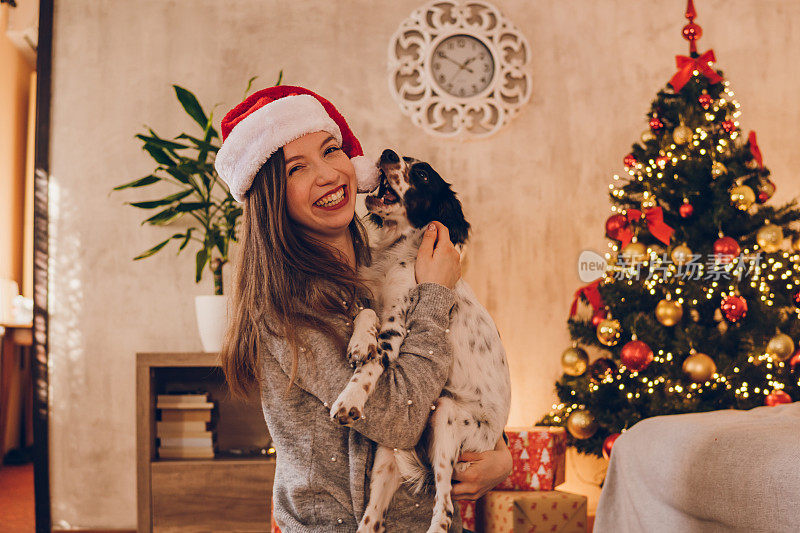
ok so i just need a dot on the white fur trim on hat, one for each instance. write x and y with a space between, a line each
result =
259 135
367 173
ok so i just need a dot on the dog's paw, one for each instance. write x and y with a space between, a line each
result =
348 407
362 348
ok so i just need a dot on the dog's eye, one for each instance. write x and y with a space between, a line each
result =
422 175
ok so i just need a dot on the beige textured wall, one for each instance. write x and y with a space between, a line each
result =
535 192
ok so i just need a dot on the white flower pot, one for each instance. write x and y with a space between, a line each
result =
212 319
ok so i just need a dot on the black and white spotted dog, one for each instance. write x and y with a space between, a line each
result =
473 408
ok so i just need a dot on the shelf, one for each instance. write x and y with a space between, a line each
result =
215 460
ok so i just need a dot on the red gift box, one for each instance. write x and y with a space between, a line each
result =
531 511
539 455
467 508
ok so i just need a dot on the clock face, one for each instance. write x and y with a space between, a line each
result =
462 65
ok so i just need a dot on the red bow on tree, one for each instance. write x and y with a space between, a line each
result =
687 65
754 149
591 293
655 225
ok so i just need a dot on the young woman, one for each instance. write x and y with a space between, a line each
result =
290 157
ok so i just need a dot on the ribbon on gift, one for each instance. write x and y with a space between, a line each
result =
591 293
687 65
654 218
754 149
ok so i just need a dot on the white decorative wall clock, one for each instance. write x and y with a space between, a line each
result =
459 68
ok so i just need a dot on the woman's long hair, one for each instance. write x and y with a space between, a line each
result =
284 280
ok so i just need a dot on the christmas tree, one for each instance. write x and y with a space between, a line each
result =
697 309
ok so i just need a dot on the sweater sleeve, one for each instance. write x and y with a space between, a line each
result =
398 408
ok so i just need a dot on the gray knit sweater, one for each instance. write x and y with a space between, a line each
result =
322 472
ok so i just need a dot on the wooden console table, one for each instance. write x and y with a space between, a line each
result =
219 494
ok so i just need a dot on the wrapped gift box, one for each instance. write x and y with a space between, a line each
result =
467 508
531 511
539 455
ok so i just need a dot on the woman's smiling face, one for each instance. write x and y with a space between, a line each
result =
320 185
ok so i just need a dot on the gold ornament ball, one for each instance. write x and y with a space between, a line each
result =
681 255
780 347
699 367
648 135
669 312
769 238
682 134
718 169
743 197
574 361
634 252
608 331
581 424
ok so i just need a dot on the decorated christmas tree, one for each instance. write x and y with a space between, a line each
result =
697 308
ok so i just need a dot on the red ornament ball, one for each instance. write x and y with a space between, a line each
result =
614 226
598 316
794 362
726 249
765 190
777 397
661 161
630 160
797 298
602 367
686 210
608 444
729 126
656 124
692 32
734 308
636 355
705 100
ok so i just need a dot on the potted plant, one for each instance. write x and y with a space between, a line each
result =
187 161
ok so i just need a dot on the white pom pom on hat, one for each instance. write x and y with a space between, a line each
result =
272 117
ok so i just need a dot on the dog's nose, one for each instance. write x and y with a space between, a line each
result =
388 156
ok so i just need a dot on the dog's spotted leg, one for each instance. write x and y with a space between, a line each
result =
349 406
383 485
445 446
393 331
363 344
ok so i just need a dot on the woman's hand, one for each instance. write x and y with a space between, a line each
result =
486 471
438 261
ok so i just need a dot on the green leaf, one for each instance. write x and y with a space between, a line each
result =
178 175
200 260
164 201
162 143
159 155
249 85
280 77
154 249
163 217
199 143
141 182
185 207
191 105
186 240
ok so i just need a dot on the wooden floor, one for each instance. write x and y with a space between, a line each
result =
16 498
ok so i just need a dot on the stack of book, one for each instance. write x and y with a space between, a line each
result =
182 429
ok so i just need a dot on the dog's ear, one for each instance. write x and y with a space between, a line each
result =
378 221
449 213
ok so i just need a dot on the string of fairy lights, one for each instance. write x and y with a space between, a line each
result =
666 277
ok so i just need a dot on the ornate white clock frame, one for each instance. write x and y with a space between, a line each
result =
412 82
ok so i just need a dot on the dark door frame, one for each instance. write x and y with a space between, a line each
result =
41 461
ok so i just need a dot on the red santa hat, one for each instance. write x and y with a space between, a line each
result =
272 117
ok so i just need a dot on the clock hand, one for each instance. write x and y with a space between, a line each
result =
442 55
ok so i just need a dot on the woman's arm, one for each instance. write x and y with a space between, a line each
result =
397 410
486 471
